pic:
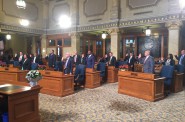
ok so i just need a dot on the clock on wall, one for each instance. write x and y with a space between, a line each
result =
149 43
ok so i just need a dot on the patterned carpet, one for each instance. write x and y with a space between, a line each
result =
104 104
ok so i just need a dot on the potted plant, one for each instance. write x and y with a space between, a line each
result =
33 76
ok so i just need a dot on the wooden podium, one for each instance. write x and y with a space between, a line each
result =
112 74
14 74
22 102
56 83
92 78
141 85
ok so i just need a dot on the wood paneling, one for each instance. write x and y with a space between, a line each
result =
177 83
56 83
13 74
22 103
92 79
112 74
141 85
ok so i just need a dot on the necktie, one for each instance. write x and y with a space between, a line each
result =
66 63
110 59
75 58
34 59
129 59
146 59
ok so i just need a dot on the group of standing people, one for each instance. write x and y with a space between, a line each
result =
26 60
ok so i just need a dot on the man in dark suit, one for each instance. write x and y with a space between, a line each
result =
131 61
36 58
112 59
68 66
90 60
181 58
27 63
148 62
51 59
21 58
76 58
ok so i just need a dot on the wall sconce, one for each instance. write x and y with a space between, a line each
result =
65 21
24 22
148 31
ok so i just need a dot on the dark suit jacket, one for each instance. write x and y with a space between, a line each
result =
69 66
131 63
126 58
51 60
183 60
148 65
78 60
83 61
112 62
172 62
16 58
26 65
90 61
37 59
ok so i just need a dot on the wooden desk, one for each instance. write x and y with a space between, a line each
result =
13 74
177 83
22 102
56 83
92 79
112 74
141 85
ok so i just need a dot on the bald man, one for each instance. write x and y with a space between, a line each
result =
148 62
181 58
68 66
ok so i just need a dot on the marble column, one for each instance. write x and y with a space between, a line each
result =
173 38
75 42
33 50
43 45
115 42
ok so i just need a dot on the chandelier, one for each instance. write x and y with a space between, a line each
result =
21 4
104 35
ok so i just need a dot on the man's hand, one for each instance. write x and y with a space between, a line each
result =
139 56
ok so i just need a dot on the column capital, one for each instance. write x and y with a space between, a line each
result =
114 30
173 25
76 34
46 2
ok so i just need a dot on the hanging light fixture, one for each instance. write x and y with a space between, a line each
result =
148 31
104 35
182 4
21 4
8 37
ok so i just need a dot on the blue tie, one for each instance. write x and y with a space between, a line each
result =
180 62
